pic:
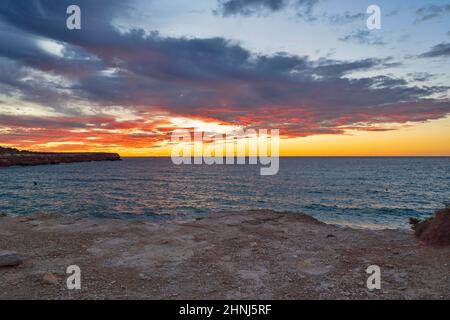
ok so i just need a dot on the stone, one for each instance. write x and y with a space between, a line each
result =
35 223
10 259
50 278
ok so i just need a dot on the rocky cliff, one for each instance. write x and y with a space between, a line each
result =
14 157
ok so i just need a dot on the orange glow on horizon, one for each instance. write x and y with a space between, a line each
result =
430 138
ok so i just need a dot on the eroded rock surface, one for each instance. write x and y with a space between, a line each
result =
248 255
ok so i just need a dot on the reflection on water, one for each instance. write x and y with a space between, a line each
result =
358 191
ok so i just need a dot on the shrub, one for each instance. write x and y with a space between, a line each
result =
434 230
414 222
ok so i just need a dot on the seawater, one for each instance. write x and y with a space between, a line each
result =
360 192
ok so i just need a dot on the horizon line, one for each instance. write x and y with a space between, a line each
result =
325 156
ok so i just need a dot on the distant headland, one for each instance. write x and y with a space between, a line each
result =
13 157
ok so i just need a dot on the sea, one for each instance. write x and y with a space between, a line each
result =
360 192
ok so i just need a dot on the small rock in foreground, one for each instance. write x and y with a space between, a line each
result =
50 278
9 259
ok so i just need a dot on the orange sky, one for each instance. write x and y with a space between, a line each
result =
425 139
431 138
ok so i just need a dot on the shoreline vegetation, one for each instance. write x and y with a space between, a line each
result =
435 230
13 157
237 255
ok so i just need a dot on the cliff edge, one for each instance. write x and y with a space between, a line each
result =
13 157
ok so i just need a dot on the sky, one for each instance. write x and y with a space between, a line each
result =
140 70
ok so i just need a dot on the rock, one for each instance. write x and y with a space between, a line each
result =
10 259
50 278
26 219
35 223
435 231
143 276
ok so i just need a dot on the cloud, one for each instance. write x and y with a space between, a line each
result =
393 13
248 7
346 17
431 12
363 37
96 132
421 76
440 50
303 8
211 79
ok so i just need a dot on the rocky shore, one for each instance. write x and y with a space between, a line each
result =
13 157
244 255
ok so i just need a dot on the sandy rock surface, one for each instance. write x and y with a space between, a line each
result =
247 255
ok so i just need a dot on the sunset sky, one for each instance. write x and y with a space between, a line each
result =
139 70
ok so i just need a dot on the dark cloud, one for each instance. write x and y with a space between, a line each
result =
431 12
248 7
303 8
28 50
440 50
16 80
366 37
421 76
203 78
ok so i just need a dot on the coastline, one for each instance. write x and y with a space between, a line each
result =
12 157
236 255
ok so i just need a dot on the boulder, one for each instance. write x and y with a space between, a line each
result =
10 259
